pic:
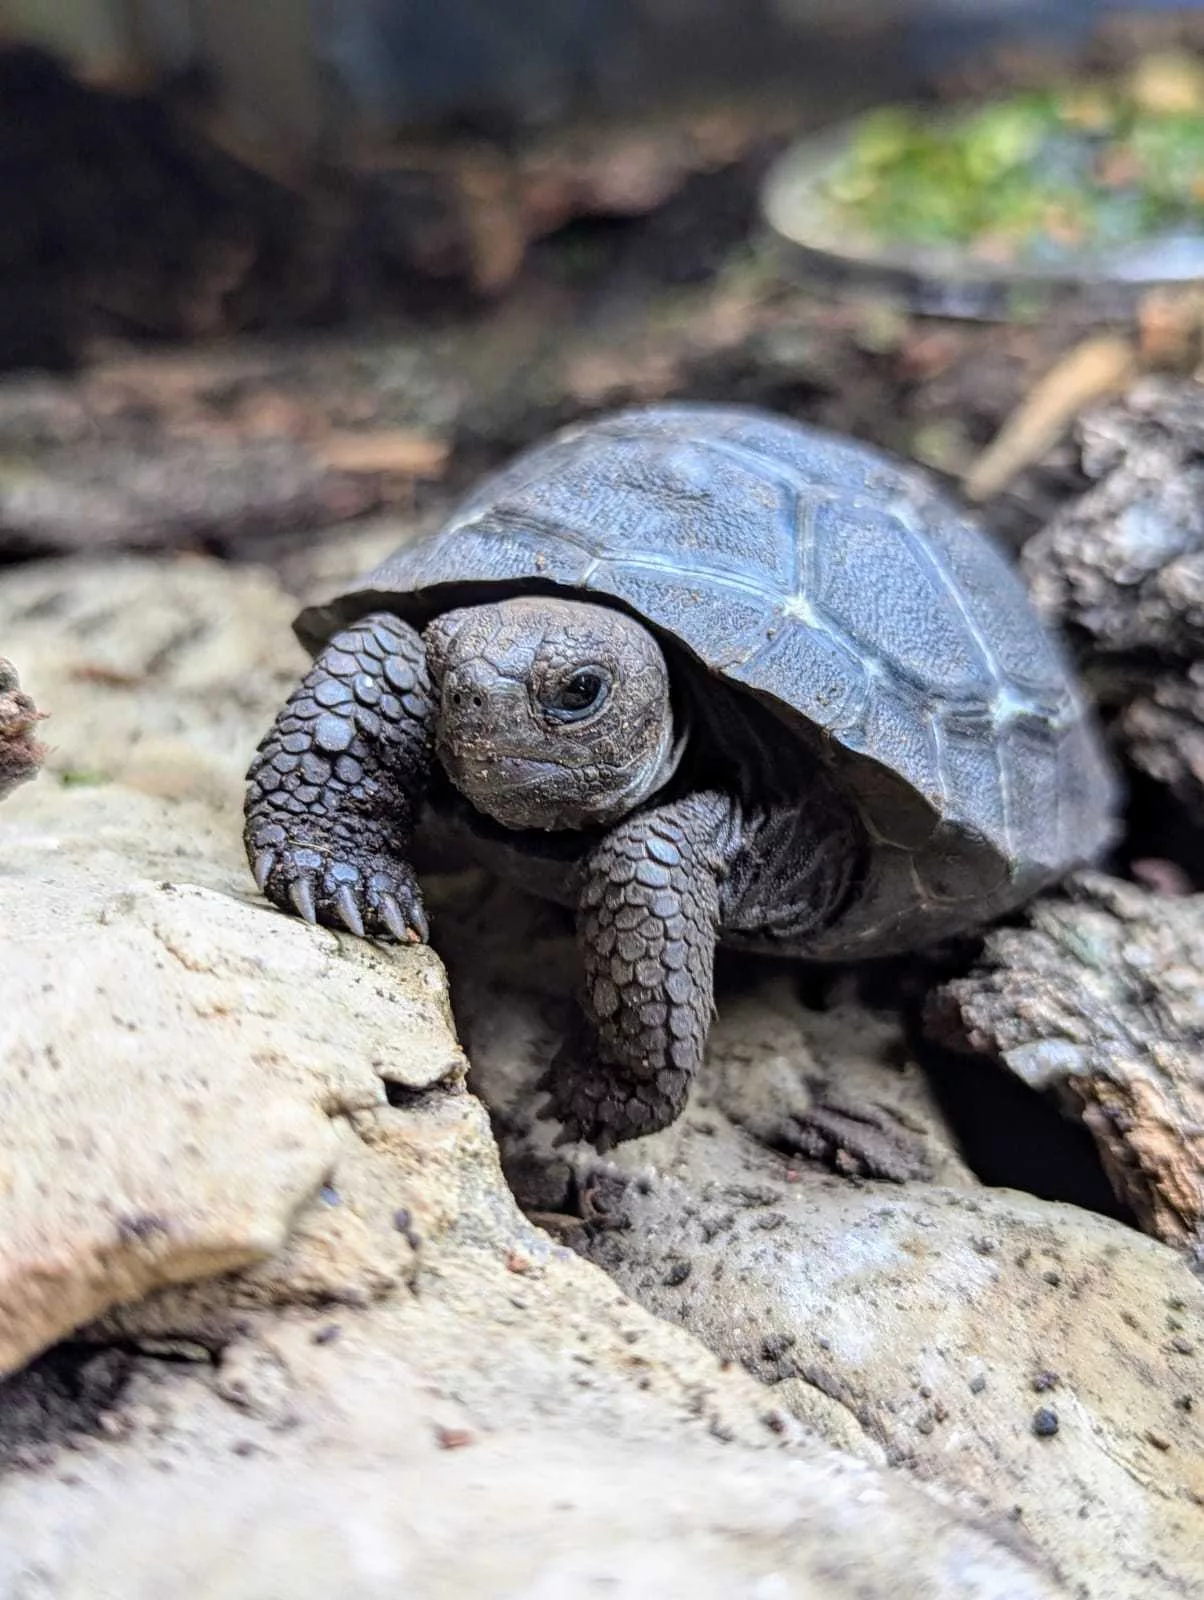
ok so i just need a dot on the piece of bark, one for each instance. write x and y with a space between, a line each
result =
1124 564
1099 1000
20 753
1163 732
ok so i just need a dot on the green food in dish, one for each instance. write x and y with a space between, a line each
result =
1031 179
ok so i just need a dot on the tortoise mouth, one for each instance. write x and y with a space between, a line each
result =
526 793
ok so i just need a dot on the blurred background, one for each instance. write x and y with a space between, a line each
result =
405 238
183 168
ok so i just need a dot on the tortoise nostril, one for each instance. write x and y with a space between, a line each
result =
477 702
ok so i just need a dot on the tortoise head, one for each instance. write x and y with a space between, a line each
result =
552 713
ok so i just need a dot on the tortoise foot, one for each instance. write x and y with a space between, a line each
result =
368 895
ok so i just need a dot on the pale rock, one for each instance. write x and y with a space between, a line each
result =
175 1061
366 1483
944 1322
162 674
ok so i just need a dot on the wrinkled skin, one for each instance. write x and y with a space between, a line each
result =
553 715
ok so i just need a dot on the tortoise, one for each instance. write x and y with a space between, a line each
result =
704 674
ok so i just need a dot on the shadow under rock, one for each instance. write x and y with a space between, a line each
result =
63 1395
1009 1135
1012 1137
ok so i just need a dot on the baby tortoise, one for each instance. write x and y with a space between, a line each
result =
703 674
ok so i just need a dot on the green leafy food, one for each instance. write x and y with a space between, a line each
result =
1042 176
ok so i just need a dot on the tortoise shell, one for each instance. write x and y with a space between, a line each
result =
876 621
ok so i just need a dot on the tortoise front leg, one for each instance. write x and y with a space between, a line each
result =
647 920
334 789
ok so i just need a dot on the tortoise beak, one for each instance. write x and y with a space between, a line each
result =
479 705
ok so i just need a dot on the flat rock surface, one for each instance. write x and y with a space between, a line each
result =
381 1485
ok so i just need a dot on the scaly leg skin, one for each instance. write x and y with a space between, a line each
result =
647 922
334 790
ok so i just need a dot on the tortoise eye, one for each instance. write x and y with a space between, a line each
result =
577 696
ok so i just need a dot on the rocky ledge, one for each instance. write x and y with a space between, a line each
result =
271 1319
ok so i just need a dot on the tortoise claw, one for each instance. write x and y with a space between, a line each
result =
301 893
349 911
377 897
565 1136
390 915
262 870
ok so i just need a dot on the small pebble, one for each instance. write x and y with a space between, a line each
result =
1045 1423
1044 1381
977 1384
775 1345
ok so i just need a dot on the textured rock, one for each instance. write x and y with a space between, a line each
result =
1164 734
170 1074
20 753
1100 1000
1037 1356
176 1082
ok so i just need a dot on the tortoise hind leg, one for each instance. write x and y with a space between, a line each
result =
334 789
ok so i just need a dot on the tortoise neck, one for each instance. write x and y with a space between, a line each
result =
667 760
